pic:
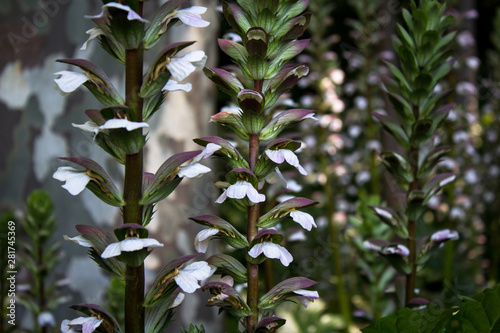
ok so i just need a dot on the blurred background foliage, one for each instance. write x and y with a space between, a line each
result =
349 42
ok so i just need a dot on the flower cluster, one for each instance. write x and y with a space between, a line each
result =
266 39
422 47
118 130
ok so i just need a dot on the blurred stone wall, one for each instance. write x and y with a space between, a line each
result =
36 129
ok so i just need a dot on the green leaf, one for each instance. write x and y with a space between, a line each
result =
405 36
394 129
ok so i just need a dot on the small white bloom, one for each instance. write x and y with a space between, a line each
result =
89 324
130 16
209 150
89 126
444 235
370 246
188 277
46 318
93 34
280 155
68 81
182 67
306 296
192 16
193 170
129 244
76 180
173 85
304 219
203 238
177 301
123 123
239 190
272 251
92 127
80 240
399 249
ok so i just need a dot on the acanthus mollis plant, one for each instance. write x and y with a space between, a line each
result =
118 129
424 56
267 39
40 257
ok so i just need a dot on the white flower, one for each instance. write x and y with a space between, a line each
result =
304 219
306 296
209 150
89 324
123 123
371 246
203 238
444 235
181 67
280 155
80 240
46 318
93 33
177 301
76 180
188 277
272 251
68 81
173 85
130 16
193 170
241 189
129 244
92 127
192 16
399 249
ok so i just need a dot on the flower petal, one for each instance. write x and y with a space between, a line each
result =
80 240
187 279
304 219
177 301
222 197
112 250
191 16
209 150
271 251
173 85
182 67
68 81
76 181
91 324
93 34
275 155
123 123
203 238
89 126
292 159
193 170
238 190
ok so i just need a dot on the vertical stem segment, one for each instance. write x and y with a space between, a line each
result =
132 211
252 269
412 232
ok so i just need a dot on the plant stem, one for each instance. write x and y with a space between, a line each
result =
132 211
252 269
412 231
39 276
334 237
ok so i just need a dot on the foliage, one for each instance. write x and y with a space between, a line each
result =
480 313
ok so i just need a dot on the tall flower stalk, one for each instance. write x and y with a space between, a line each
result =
422 46
118 130
267 39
